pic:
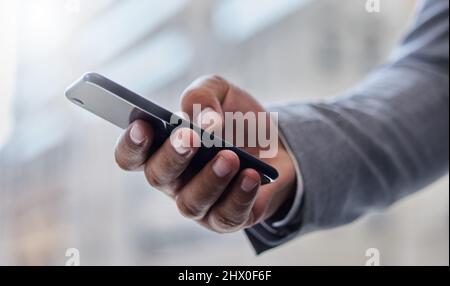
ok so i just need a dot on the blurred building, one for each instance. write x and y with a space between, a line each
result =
59 185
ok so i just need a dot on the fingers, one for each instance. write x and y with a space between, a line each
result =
235 210
202 101
164 168
132 147
216 197
197 197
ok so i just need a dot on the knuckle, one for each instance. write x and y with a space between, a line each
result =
241 204
218 82
188 210
121 162
193 95
215 78
225 223
153 179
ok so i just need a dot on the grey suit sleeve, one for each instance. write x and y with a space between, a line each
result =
382 140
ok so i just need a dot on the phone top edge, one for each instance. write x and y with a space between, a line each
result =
84 78
128 95
68 91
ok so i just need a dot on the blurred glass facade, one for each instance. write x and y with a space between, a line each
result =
59 185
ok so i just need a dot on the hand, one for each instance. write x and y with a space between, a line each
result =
218 197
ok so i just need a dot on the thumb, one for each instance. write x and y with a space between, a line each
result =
202 101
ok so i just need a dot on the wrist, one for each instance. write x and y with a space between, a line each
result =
285 187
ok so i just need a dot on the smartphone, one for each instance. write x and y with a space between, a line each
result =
120 106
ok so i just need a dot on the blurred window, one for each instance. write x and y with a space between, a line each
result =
236 20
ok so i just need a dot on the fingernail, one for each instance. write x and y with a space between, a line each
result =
137 135
207 118
221 167
248 184
177 144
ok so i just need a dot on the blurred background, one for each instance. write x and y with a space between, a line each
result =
59 185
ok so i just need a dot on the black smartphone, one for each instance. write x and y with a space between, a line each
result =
121 107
